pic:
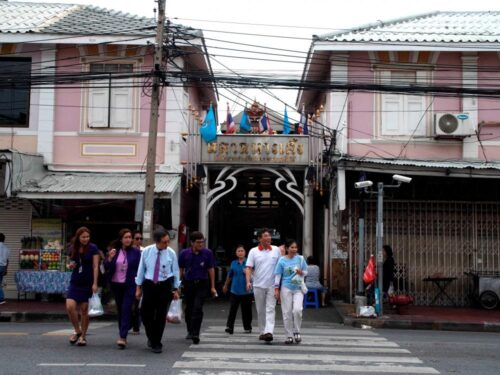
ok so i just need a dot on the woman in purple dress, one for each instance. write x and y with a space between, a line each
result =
84 261
121 265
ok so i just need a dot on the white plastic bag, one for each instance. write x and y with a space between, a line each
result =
95 306
174 314
390 291
367 311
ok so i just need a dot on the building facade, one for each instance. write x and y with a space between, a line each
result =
74 119
416 96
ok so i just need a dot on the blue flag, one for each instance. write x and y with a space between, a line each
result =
245 123
208 129
286 123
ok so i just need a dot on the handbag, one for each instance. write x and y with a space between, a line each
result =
95 306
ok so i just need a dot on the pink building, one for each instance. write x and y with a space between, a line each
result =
417 96
74 119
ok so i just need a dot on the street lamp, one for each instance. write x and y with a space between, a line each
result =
399 179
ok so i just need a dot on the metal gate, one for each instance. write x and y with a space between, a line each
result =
432 238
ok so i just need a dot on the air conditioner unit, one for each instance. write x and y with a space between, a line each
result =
452 124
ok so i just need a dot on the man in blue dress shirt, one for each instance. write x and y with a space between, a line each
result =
197 272
157 283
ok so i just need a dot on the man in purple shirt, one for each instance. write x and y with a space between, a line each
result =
196 266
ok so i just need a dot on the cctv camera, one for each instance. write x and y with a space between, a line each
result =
398 177
363 184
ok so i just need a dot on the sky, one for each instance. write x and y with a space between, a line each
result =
289 25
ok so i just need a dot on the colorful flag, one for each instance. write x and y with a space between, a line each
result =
264 121
286 123
268 120
230 125
245 122
208 129
303 128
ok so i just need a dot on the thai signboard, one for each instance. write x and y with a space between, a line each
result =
257 149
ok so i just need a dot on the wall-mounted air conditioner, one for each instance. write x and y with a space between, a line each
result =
452 125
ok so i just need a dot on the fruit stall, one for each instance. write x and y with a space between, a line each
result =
42 267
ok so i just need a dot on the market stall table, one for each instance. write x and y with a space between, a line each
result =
56 282
441 283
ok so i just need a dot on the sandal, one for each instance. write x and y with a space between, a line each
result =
73 339
122 343
81 341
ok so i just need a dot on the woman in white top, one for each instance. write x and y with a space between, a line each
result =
312 278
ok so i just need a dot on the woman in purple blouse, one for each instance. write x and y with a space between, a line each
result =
121 265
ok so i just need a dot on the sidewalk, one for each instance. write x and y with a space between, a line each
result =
422 317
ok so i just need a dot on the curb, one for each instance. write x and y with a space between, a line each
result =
415 324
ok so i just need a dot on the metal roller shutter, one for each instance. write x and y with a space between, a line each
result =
15 223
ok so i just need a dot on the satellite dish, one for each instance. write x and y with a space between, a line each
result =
448 123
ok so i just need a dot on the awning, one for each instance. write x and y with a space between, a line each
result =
451 168
60 185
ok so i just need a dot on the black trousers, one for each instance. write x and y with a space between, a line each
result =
195 292
245 300
156 299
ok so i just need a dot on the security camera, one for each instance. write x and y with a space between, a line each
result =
398 177
363 184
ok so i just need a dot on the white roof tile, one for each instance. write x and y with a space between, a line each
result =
437 27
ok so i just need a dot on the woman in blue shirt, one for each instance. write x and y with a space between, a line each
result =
290 271
239 294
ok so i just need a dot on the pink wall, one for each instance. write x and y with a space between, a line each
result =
489 109
361 105
448 72
68 117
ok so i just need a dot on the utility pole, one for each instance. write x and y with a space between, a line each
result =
380 244
149 192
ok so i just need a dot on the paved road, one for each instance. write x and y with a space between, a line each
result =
329 348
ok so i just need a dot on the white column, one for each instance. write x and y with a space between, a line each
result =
341 190
175 203
338 100
203 219
46 105
470 148
307 229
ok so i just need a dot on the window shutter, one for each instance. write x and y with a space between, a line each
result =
414 110
98 105
121 104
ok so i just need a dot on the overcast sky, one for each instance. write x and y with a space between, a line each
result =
295 21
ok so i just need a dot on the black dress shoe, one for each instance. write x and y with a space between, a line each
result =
196 340
156 349
268 337
262 337
189 336
229 330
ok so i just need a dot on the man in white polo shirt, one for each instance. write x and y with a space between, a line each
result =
262 261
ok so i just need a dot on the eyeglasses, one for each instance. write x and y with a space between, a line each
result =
138 238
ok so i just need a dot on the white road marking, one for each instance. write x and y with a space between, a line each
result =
327 350
326 330
70 331
319 337
60 364
299 357
90 365
305 341
308 368
352 349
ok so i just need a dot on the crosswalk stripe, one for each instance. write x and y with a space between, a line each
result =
351 349
326 330
309 368
325 350
307 341
299 357
326 337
